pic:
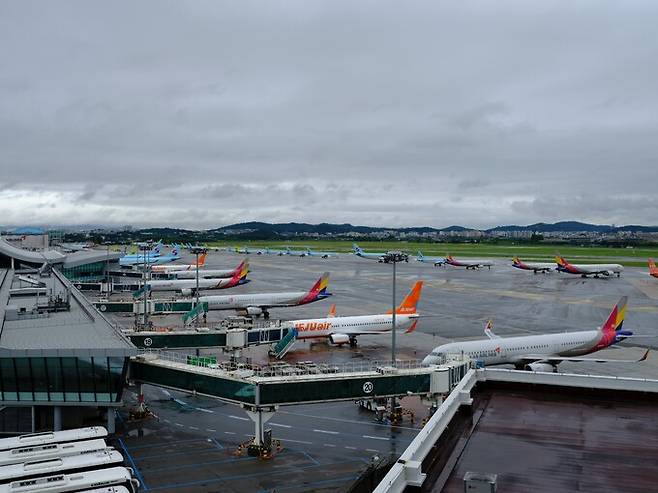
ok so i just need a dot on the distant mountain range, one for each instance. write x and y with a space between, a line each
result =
326 228
275 229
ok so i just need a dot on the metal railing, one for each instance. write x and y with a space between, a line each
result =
283 369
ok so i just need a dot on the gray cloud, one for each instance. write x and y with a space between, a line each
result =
437 113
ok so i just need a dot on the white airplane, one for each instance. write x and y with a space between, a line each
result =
342 330
166 269
295 253
378 256
469 264
188 286
430 260
534 266
312 253
258 304
541 352
585 270
209 273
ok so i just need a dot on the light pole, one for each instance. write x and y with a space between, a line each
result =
196 251
145 249
393 257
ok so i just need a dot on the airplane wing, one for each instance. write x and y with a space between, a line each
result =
538 358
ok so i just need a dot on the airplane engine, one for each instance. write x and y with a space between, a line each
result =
187 291
545 367
339 338
254 311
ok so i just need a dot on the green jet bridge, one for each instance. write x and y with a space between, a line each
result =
261 390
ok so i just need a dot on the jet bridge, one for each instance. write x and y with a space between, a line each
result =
260 390
233 333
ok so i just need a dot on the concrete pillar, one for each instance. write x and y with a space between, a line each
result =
33 420
111 414
57 418
259 418
141 407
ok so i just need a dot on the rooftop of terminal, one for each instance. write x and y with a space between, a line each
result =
43 314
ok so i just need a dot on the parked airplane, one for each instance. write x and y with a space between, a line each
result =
541 352
295 253
209 273
378 256
653 270
312 253
342 330
533 266
128 261
167 269
258 304
154 252
430 260
585 270
273 251
188 286
469 264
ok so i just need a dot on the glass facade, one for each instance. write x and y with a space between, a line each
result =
93 379
86 273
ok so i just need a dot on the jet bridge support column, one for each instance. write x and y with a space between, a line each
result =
262 445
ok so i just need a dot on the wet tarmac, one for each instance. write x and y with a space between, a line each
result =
543 442
325 446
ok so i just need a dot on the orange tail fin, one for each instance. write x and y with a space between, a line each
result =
202 259
332 311
652 264
409 303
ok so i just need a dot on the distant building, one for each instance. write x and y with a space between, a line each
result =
28 238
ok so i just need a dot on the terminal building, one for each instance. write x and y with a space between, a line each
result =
82 266
61 361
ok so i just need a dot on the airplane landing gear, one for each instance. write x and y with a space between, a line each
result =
353 342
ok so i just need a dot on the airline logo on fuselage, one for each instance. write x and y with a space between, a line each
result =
310 326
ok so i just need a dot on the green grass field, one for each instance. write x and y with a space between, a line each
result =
632 257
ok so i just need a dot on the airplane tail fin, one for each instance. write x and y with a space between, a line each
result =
488 330
652 265
240 272
175 250
616 318
332 311
356 248
320 286
409 303
420 255
516 260
202 259
560 260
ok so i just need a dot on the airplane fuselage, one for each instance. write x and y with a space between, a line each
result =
512 350
535 266
204 274
592 269
351 326
260 300
188 284
469 264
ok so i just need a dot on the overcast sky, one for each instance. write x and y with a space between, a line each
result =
205 113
